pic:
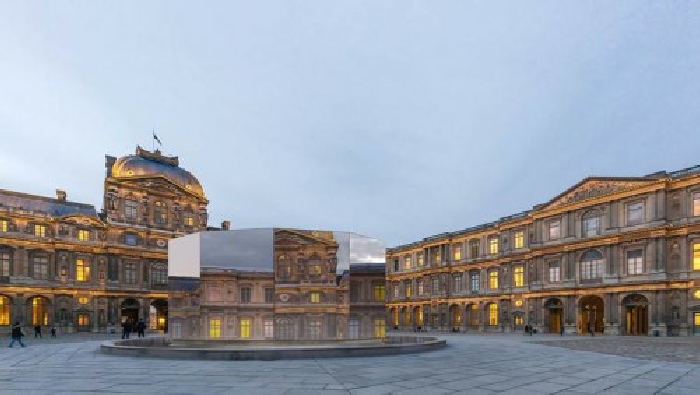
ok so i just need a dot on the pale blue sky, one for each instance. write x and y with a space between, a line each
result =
396 119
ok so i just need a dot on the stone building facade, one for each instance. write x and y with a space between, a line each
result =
612 255
64 264
283 284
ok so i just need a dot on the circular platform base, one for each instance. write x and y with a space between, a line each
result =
241 350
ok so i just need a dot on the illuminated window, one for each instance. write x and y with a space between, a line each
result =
160 215
379 327
83 235
269 328
696 256
82 270
635 265
421 288
457 252
130 209
474 282
407 317
518 276
591 265
635 213
493 314
591 224
4 310
379 293
5 261
40 267
409 289
83 300
315 297
130 273
245 294
83 320
419 319
493 245
696 204
189 220
245 328
40 230
554 272
554 230
315 269
493 279
407 263
519 239
519 303
40 314
696 319
457 283
518 320
696 295
395 317
4 225
421 260
215 328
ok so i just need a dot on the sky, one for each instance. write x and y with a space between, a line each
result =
394 119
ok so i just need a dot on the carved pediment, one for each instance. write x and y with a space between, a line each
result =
82 220
297 237
594 187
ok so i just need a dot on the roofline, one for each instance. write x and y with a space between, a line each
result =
46 199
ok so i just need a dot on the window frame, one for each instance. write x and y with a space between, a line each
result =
493 279
641 210
519 276
636 262
551 226
493 245
519 239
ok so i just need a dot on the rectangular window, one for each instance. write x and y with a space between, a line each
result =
379 293
457 283
314 328
474 249
493 279
83 320
159 275
245 294
457 252
215 328
4 225
474 282
421 259
130 209
696 256
421 289
354 331
554 230
4 310
396 292
41 267
518 278
40 230
591 269
519 239
245 328
696 204
635 213
269 328
518 320
407 263
409 289
82 270
493 314
5 263
554 272
493 245
315 297
269 295
130 273
130 239
635 264
189 220
315 270
83 235
379 327
591 226
396 265
436 285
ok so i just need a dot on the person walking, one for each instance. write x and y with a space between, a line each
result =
141 327
17 335
53 331
37 331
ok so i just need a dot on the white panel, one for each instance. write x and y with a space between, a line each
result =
184 256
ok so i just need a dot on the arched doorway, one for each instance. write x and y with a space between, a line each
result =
473 316
418 317
455 317
395 317
636 314
591 313
130 310
554 308
158 315
39 310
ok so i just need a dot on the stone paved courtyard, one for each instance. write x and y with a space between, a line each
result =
471 364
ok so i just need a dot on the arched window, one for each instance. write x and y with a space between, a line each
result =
4 310
590 222
160 215
591 265
493 314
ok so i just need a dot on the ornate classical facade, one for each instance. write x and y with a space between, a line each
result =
610 255
284 284
64 264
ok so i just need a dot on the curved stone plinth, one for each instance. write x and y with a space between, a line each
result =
240 350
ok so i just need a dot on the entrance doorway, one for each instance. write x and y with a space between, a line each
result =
591 313
637 315
158 315
130 311
554 308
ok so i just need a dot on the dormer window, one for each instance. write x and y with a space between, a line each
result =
40 230
130 209
160 215
83 235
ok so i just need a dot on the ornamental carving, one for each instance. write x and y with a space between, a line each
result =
593 189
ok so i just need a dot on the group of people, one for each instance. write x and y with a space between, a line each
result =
129 326
17 333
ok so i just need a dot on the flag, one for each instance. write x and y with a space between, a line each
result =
157 139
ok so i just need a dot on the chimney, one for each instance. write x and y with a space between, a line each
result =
60 195
226 225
